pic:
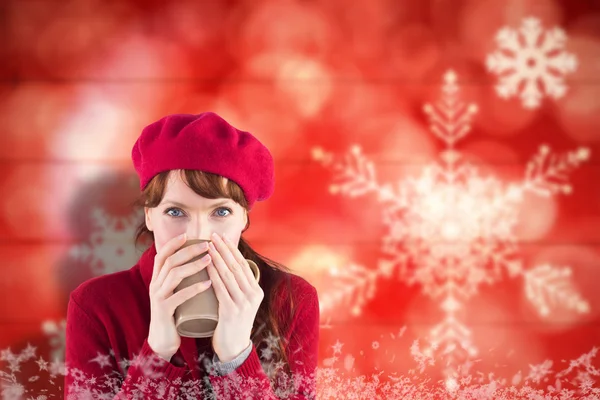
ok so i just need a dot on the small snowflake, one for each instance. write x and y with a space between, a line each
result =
267 353
271 340
402 330
56 333
78 375
337 347
539 372
529 57
102 360
42 364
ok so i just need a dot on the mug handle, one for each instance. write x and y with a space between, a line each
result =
254 268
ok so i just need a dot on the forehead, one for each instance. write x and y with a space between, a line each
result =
176 189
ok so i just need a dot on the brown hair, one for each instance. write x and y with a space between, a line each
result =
272 273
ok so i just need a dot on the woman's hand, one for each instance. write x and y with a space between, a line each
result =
239 296
169 270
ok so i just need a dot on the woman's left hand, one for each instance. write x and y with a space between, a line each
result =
239 296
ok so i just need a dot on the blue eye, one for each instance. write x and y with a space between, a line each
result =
177 210
219 214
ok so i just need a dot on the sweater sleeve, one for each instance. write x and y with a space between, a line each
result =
224 368
249 380
91 370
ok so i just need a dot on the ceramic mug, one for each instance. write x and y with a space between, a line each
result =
198 316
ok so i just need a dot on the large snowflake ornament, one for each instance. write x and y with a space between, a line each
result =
451 228
531 62
110 247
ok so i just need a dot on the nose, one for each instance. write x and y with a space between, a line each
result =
199 230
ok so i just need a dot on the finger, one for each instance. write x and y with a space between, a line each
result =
232 262
169 248
241 260
181 257
186 256
178 274
250 273
223 297
183 295
227 276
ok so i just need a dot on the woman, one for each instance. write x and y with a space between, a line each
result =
199 178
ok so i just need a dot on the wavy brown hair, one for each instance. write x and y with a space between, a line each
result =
273 274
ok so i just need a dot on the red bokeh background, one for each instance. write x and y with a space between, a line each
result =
81 78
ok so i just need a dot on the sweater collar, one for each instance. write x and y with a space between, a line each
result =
147 264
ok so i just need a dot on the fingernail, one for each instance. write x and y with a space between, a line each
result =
204 284
215 235
182 236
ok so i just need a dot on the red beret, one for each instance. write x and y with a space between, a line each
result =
205 142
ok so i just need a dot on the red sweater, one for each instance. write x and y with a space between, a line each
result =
108 356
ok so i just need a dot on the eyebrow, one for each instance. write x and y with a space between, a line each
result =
178 204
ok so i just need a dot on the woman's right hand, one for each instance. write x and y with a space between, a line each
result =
170 268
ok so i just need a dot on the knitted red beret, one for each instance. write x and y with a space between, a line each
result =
205 142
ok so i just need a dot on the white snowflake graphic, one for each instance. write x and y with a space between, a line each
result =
86 386
450 229
530 60
110 247
578 380
56 333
